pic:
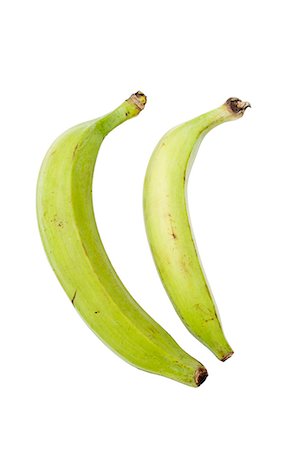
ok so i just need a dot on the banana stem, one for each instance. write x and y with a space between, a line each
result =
128 109
237 106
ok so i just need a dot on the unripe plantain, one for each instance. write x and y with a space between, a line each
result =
77 255
168 227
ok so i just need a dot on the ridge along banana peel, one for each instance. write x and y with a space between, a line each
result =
168 227
74 248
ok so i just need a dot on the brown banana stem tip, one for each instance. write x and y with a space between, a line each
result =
237 106
139 99
201 374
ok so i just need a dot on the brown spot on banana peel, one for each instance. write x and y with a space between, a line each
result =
172 233
58 222
73 298
75 151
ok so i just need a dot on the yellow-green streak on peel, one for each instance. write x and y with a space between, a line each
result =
77 255
168 227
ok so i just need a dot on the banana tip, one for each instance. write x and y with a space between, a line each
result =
201 374
227 356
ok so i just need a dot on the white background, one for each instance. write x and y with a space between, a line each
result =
66 62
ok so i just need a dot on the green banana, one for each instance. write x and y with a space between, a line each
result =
168 227
75 251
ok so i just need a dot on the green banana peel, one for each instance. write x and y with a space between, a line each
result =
168 226
76 253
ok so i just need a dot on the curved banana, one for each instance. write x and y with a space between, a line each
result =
75 250
168 228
